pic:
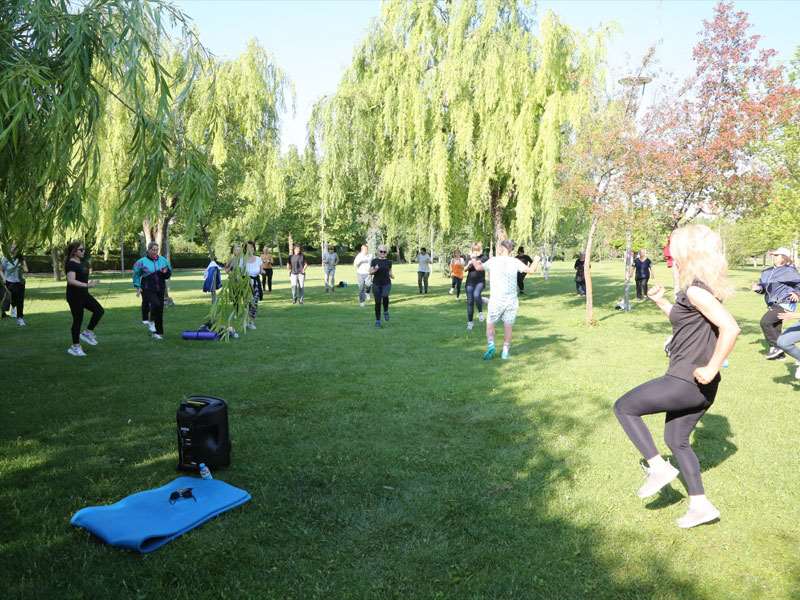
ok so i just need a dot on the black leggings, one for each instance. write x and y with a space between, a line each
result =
145 308
457 286
641 288
381 293
266 280
685 403
155 303
17 292
79 303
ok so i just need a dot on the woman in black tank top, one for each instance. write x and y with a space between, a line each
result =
703 334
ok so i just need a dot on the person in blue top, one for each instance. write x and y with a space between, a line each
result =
212 281
780 285
643 269
150 274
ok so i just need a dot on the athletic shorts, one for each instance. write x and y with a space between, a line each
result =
504 309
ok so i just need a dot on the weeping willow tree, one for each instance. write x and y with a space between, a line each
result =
61 64
454 113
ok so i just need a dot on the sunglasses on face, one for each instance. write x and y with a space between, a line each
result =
181 493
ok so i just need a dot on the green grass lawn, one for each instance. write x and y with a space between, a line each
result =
393 463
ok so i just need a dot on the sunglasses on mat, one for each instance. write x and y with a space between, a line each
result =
181 493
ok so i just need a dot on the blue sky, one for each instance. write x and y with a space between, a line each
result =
313 40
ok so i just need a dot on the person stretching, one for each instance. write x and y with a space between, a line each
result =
381 270
780 285
703 335
474 286
457 272
79 298
150 274
503 301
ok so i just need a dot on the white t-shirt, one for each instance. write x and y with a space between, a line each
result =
254 268
424 261
362 263
329 260
503 276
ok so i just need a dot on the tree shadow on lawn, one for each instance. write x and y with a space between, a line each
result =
387 480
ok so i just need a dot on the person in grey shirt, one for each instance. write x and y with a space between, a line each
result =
12 270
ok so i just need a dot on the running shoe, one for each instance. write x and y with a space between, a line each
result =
251 325
158 336
774 353
504 354
21 322
797 371
13 312
657 479
470 325
451 291
362 304
698 516
301 301
490 352
377 324
151 326
386 316
76 351
146 323
481 318
88 337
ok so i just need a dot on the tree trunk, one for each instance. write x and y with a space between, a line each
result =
122 253
278 246
498 228
56 264
397 250
587 273
207 241
626 302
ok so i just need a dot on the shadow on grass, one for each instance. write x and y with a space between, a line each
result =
381 465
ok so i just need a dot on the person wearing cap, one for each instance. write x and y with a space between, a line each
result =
780 285
381 270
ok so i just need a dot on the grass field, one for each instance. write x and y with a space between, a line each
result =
393 463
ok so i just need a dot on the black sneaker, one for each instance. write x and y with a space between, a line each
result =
775 353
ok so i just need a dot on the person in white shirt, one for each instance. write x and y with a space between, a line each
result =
329 261
503 301
253 266
424 270
362 262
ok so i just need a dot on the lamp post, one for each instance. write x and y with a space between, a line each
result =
631 108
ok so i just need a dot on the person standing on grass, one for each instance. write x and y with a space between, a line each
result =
381 270
503 300
13 269
527 261
254 267
643 269
267 266
150 274
457 273
79 298
703 335
329 261
580 276
297 265
789 340
423 270
211 279
780 285
475 283
362 263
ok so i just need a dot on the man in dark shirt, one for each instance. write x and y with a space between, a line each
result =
297 274
381 270
527 261
643 269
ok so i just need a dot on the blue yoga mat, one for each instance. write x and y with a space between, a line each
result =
147 520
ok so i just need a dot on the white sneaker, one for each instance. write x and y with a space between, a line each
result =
151 326
13 312
21 322
251 325
146 323
657 479
362 304
797 371
156 336
470 325
481 318
88 337
76 351
698 516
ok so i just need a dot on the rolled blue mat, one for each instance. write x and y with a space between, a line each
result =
199 335
147 520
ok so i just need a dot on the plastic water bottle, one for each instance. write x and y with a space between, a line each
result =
205 472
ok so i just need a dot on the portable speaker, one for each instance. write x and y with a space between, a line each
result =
203 433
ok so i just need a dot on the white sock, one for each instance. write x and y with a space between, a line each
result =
657 463
698 502
506 347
